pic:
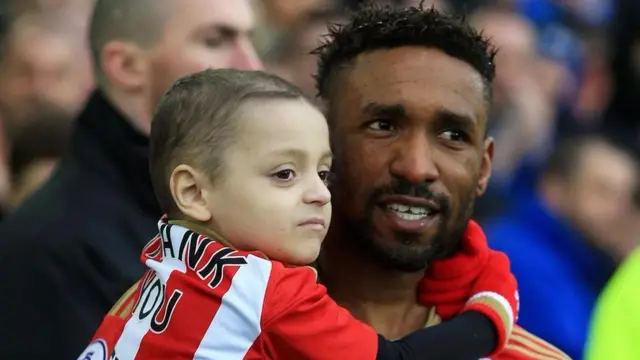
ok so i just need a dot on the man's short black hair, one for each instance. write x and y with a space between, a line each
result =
376 27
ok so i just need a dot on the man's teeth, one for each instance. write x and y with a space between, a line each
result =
409 212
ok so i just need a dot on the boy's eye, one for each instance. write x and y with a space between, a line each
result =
285 175
325 176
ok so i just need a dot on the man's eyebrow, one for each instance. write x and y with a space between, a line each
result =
375 109
445 117
226 30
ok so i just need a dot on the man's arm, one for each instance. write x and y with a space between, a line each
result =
616 323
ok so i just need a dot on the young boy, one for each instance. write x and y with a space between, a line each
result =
240 162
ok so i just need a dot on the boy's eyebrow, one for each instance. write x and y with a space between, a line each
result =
299 154
327 155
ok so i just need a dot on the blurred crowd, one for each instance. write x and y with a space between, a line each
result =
563 201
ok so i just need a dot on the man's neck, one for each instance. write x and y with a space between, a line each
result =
382 298
132 107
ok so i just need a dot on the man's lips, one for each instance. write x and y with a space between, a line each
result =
412 201
409 213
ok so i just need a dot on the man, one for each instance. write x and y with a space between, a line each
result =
71 250
408 95
563 240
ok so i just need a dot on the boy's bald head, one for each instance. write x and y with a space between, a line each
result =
196 120
137 21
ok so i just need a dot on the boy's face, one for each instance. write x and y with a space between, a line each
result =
272 195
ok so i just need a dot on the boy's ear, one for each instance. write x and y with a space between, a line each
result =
185 184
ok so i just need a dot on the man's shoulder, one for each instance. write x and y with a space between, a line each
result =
523 345
70 209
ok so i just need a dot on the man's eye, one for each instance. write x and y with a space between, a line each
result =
213 42
285 175
381 125
455 135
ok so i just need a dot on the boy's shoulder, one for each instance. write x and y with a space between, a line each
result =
196 265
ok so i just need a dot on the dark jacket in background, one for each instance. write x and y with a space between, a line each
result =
71 250
622 118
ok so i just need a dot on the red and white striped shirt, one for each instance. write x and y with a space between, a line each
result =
248 307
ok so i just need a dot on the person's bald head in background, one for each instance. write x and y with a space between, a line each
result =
291 57
140 47
516 40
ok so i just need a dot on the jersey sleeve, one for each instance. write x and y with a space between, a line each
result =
301 321
495 295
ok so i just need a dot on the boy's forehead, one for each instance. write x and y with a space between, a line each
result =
283 128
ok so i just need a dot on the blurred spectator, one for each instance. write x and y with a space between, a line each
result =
289 55
523 106
72 249
287 12
616 322
523 111
292 58
35 151
43 62
561 241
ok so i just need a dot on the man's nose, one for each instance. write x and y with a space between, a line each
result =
246 57
414 160
317 192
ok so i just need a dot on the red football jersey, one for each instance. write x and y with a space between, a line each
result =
248 307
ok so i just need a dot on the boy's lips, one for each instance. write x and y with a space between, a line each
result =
314 223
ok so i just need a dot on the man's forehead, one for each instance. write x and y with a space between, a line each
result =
235 16
411 74
409 63
598 156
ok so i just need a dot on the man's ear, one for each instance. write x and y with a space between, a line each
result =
485 166
124 64
186 186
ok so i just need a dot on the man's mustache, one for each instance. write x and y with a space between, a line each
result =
401 186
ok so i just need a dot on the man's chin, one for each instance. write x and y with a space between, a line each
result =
404 252
403 255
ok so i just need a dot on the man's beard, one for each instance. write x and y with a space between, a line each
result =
409 255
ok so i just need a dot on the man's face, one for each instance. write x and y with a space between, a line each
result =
408 127
600 192
30 81
202 34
